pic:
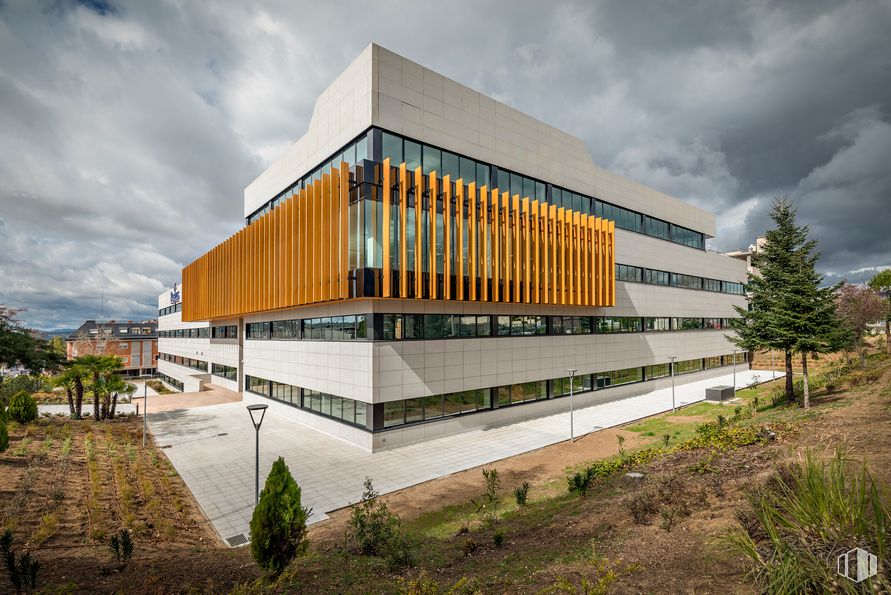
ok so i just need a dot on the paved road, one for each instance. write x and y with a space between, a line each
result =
212 449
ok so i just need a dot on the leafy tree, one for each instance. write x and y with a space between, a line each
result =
881 283
22 408
278 525
20 346
857 306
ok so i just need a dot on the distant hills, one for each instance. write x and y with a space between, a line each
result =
58 332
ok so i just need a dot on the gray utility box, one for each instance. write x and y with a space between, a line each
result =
719 393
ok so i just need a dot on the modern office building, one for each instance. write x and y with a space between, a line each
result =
426 260
135 343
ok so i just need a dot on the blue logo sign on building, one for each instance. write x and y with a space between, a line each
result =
174 295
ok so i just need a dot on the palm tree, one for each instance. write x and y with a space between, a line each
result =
116 385
72 380
66 380
99 367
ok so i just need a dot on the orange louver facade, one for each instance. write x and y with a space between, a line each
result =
494 248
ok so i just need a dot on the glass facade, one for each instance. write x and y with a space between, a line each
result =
437 407
407 327
195 364
341 409
376 145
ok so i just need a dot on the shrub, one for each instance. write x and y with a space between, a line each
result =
521 493
469 547
121 546
642 506
487 506
22 408
4 435
802 516
278 525
666 438
580 481
22 573
498 538
376 531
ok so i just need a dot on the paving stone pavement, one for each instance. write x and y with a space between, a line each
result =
212 448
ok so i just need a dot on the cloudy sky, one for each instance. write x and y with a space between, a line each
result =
128 129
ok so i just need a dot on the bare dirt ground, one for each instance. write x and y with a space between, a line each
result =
111 483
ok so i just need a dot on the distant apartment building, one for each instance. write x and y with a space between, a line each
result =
135 342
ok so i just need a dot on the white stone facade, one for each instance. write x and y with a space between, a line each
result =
381 89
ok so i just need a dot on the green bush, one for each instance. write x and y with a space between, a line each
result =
375 531
22 408
278 526
521 493
4 435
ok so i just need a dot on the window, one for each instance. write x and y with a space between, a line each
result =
654 277
662 323
571 325
734 288
712 362
711 285
621 324
257 330
687 366
711 323
227 372
656 228
394 413
657 371
686 281
122 346
629 273
123 330
580 383
618 377
256 385
286 329
686 324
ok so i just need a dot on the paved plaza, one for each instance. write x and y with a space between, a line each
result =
212 448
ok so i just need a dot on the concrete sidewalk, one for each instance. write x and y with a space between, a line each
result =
212 448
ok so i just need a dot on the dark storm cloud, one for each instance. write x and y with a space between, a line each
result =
129 129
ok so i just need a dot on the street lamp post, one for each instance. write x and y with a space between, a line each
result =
672 358
734 372
773 370
144 409
254 410
572 372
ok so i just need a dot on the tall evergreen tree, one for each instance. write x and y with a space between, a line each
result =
810 311
788 311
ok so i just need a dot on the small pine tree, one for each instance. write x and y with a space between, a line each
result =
278 526
22 408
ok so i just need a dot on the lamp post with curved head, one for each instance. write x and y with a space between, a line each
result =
572 372
672 358
734 372
258 412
